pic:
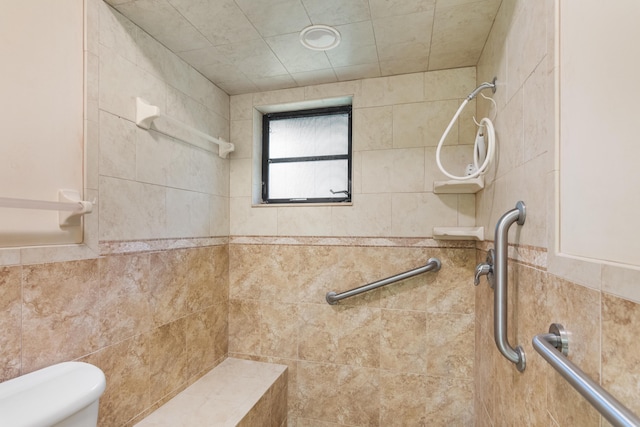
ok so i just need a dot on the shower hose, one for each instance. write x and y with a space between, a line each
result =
481 156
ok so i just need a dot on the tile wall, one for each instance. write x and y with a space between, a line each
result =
397 123
401 356
398 356
596 303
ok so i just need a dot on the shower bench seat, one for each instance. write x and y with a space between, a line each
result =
237 392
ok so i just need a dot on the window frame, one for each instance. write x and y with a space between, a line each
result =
266 160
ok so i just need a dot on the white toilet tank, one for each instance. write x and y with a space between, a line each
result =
62 395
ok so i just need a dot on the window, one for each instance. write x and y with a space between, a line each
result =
306 156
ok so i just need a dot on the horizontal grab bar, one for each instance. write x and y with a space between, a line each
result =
433 264
554 348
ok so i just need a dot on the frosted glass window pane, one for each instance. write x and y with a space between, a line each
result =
309 136
308 179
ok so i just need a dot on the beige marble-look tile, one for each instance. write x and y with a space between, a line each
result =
10 322
277 273
357 388
244 330
452 288
60 313
168 285
449 401
200 347
450 345
278 401
200 279
403 346
126 368
124 294
168 359
318 334
578 309
279 330
620 375
359 336
409 294
403 399
317 386
530 288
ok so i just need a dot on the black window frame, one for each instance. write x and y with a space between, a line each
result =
266 160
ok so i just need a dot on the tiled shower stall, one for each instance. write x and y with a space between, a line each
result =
193 273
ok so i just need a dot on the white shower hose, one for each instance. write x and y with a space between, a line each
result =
490 150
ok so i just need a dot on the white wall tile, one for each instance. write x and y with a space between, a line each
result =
449 84
391 90
219 220
187 213
415 214
370 215
372 128
117 147
393 171
240 177
251 221
130 210
422 124
304 221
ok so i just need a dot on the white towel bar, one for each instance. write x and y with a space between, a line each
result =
70 208
147 113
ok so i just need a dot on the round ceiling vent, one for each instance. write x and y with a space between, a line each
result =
320 37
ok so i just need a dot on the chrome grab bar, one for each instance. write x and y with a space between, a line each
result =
554 347
516 355
433 264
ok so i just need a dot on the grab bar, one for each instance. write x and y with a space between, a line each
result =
516 355
554 347
433 264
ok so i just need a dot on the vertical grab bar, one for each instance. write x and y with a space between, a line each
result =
516 355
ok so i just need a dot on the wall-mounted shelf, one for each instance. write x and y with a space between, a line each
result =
458 233
469 186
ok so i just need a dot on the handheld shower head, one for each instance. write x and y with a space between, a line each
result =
485 85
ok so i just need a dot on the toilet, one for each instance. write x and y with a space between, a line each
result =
62 395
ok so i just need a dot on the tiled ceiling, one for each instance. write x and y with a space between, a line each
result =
253 45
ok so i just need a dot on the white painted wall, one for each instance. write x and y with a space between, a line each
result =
41 115
599 132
